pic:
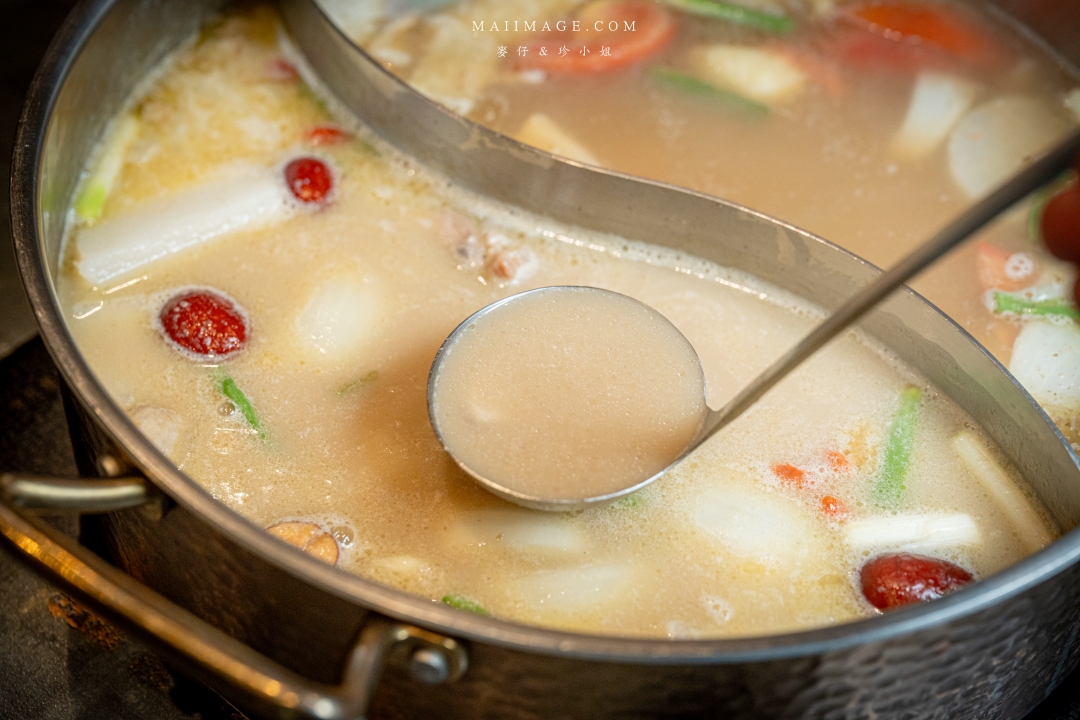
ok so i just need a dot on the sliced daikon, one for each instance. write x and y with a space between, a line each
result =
913 532
576 588
758 74
937 104
754 524
995 139
1031 528
1046 361
249 197
99 183
518 529
340 316
160 426
543 132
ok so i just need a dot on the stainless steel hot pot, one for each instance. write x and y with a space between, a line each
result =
284 635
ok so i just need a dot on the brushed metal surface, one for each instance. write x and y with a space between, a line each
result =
992 650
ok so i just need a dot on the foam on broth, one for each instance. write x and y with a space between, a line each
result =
723 546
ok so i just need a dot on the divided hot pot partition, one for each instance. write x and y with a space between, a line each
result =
284 635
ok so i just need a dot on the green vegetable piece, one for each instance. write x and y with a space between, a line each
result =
630 501
690 85
96 188
91 201
1006 303
365 380
889 488
463 603
734 14
232 391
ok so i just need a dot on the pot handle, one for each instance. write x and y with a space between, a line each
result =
209 653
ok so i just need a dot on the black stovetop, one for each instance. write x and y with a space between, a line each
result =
56 660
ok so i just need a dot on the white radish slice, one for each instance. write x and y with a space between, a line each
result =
759 74
160 426
339 317
913 532
995 139
249 197
937 104
1046 361
758 525
542 132
581 588
1031 528
520 530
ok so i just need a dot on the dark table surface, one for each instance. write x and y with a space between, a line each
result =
57 661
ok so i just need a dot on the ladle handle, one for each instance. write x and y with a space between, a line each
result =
1038 173
202 649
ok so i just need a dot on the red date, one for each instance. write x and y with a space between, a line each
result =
892 581
310 180
205 323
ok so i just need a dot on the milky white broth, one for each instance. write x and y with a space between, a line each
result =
568 394
345 307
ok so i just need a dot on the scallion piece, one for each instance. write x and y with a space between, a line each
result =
463 603
349 387
690 85
889 488
1006 303
232 391
734 14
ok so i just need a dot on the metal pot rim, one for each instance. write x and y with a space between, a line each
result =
25 193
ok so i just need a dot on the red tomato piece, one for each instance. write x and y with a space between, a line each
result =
205 323
892 581
654 27
837 461
873 52
835 508
789 474
932 24
326 135
1003 270
310 180
1061 224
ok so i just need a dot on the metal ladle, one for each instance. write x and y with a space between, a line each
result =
1031 178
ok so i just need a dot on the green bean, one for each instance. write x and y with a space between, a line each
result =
232 391
734 14
895 465
690 85
1006 303
463 603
